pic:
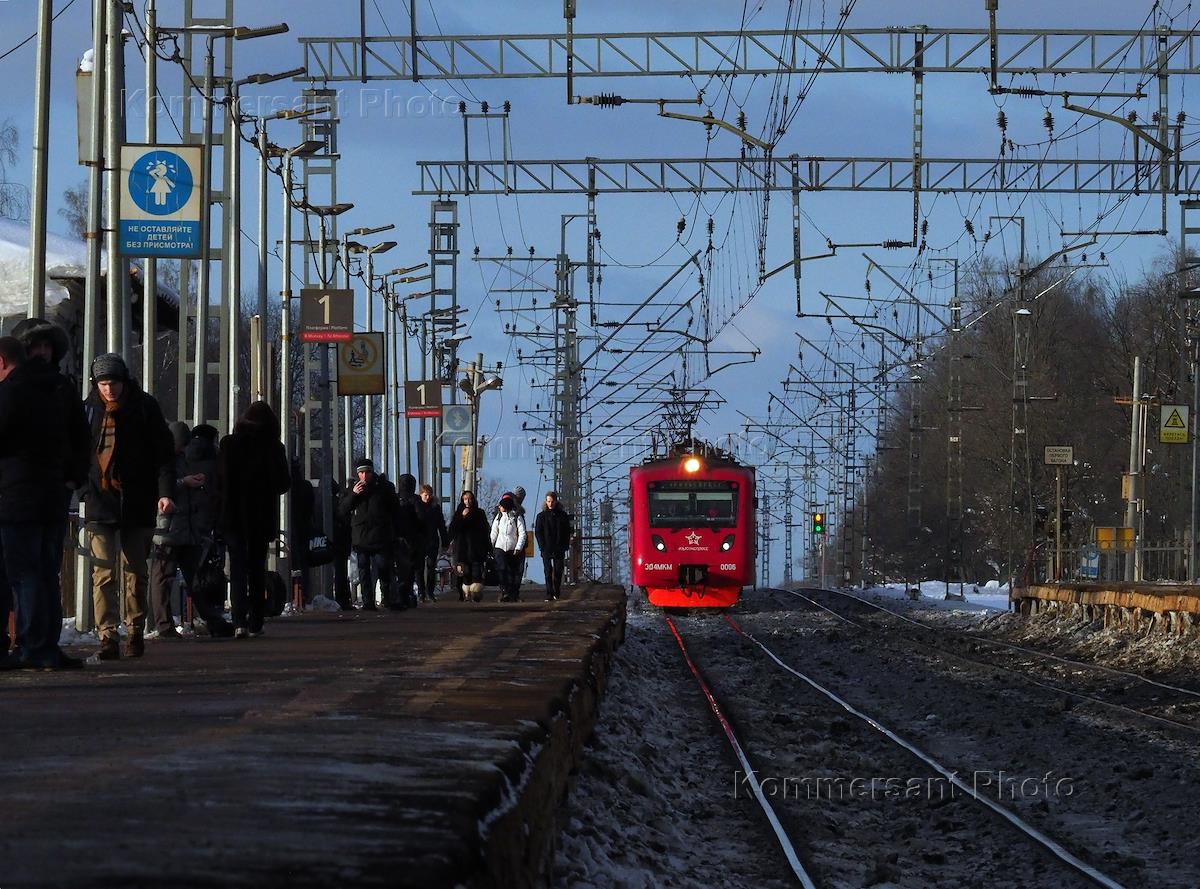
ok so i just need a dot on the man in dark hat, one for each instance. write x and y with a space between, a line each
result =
131 480
37 473
372 507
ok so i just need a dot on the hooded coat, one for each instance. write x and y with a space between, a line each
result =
39 463
144 460
196 509
408 521
253 472
470 541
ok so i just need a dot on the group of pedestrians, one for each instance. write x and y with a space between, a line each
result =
161 500
140 484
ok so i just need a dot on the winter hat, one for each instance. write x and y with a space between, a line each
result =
181 434
109 366
519 494
206 432
364 465
32 330
507 502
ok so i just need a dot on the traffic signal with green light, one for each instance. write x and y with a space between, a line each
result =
818 523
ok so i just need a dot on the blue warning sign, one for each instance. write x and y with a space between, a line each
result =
161 200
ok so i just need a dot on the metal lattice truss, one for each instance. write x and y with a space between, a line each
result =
877 174
851 50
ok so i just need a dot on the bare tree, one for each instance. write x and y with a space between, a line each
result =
14 197
74 209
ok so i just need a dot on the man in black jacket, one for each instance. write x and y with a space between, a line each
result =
553 532
131 480
371 506
433 522
37 471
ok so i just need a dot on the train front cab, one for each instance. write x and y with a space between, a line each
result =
692 535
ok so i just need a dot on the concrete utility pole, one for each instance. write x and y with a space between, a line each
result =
41 158
150 265
114 56
1133 561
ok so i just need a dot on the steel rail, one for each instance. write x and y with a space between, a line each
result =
1092 699
785 842
976 637
1052 846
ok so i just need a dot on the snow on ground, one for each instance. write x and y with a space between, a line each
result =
989 597
651 805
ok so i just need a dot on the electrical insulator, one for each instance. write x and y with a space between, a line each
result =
702 279
680 225
1048 122
741 120
1154 118
507 106
608 100
710 225
1002 121
1132 116
462 107
596 234
969 226
1181 118
924 227
867 286
531 249
510 249
483 107
477 250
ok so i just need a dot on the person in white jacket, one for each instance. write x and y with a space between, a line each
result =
508 543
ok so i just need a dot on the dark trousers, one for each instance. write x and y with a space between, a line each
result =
185 557
508 566
247 581
341 581
373 568
427 573
30 559
553 564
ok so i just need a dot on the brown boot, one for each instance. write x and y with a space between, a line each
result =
110 649
136 647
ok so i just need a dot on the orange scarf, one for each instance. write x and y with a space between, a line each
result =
106 448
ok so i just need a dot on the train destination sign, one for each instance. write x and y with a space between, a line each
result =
326 315
161 198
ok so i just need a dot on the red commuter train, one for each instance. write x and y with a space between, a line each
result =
692 528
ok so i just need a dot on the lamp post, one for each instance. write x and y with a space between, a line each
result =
369 407
473 384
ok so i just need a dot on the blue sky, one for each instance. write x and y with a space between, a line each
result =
391 125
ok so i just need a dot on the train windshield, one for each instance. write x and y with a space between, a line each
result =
693 503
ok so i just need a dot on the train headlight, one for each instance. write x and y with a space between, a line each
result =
727 543
691 464
659 543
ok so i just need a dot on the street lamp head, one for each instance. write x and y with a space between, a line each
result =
381 247
267 31
492 382
294 113
1023 312
305 148
260 79
465 385
373 231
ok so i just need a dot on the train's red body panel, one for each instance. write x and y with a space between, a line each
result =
692 530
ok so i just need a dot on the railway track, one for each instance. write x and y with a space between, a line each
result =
1182 694
767 749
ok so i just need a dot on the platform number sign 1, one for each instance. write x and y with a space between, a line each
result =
423 399
326 315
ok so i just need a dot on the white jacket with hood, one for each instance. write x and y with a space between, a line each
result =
508 532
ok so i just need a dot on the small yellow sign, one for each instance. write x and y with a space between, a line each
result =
1173 424
361 365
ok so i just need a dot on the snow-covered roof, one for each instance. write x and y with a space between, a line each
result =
66 258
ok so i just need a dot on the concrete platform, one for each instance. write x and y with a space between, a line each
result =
427 748
1140 607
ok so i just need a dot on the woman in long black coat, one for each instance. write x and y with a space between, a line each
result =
254 474
470 541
